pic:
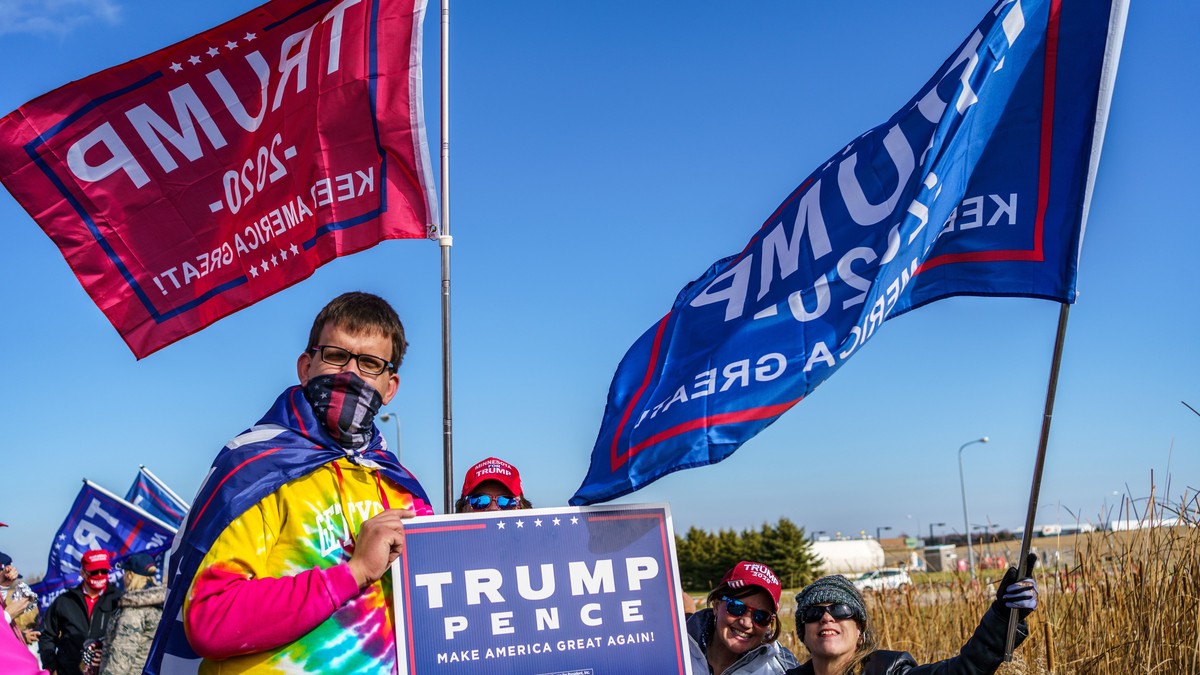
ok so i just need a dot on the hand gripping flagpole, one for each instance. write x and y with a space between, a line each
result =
1036 487
445 241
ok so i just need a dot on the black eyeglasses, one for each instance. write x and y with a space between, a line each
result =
737 608
481 502
96 573
837 611
336 356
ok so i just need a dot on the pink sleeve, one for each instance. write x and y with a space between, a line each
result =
230 614
421 507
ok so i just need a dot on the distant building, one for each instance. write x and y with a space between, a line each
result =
848 556
1123 525
1056 529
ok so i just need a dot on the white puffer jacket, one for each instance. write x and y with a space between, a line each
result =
768 659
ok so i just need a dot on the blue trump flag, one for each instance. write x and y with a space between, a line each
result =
98 520
978 186
153 496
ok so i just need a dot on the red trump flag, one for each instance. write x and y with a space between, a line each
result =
197 180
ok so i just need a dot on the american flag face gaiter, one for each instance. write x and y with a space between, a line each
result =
346 405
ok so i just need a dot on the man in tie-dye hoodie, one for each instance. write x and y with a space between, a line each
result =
281 563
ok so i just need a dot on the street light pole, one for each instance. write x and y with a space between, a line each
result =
931 526
966 520
881 529
389 417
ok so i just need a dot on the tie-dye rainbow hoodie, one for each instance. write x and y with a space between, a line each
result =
259 570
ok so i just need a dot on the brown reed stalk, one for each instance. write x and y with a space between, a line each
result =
1128 602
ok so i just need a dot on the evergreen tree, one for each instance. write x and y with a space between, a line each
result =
704 557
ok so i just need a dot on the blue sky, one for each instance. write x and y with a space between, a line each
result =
603 155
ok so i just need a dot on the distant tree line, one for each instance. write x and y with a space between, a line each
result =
705 556
977 538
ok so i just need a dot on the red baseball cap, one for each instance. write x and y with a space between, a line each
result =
493 469
96 560
748 573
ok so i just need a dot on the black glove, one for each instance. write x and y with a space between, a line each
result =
1021 594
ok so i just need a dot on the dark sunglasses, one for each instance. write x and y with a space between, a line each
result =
96 573
481 502
837 611
737 608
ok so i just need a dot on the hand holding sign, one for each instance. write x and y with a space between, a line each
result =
379 543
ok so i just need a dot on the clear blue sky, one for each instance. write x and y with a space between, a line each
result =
604 154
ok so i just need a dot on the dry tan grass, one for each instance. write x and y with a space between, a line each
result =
1131 604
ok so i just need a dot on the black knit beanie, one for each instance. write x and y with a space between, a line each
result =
832 589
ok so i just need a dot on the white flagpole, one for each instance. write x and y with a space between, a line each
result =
445 241
157 481
132 507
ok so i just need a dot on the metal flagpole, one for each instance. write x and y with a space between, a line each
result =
1036 488
1116 34
445 241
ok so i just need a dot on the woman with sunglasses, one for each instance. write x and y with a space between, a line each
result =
491 485
737 634
832 622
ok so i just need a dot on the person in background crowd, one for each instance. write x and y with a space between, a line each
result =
832 622
78 618
15 657
738 633
280 565
13 590
132 629
689 606
492 485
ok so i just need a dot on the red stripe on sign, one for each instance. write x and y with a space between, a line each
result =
632 516
677 610
448 528
408 615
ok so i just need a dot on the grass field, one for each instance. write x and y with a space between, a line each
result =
1129 603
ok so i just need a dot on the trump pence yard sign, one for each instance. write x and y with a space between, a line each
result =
584 591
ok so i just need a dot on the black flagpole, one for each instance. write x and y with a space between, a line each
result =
1036 488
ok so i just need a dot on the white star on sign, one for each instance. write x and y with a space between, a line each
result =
213 51
274 261
254 271
295 251
283 253
556 521
520 524
176 67
230 45
574 520
537 523
194 60
248 37
499 524
264 266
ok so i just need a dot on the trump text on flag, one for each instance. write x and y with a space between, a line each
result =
191 182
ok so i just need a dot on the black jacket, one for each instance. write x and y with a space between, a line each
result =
66 626
982 655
